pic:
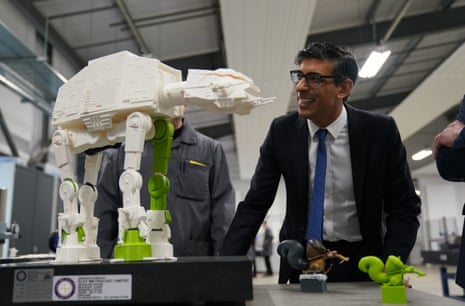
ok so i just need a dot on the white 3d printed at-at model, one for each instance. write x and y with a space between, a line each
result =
113 100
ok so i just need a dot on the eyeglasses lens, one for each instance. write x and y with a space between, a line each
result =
312 79
296 76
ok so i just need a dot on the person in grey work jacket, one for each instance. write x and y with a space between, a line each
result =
200 199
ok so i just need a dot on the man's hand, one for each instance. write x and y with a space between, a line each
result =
447 137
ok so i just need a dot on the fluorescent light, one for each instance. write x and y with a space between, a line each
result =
374 62
422 154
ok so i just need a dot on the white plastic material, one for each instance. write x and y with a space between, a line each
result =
159 235
115 99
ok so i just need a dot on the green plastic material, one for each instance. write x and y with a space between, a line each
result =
64 234
393 294
133 248
75 186
159 184
81 233
390 275
162 142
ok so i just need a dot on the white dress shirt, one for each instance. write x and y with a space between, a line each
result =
340 213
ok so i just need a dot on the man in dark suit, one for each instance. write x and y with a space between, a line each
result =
370 205
449 151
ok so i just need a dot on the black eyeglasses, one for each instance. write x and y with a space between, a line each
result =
313 79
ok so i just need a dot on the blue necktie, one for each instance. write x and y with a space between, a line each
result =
315 218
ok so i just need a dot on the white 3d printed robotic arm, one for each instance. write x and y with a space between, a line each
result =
117 98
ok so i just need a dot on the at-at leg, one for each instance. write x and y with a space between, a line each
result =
77 226
158 217
131 217
87 198
69 220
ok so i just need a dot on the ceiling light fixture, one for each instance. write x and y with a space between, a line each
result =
422 154
374 62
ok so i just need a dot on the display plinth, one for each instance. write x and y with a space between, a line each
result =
313 282
196 280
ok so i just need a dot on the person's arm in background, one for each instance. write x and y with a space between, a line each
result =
107 204
222 197
449 151
449 148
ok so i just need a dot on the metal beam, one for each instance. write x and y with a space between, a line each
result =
166 17
380 82
370 16
39 22
397 20
82 12
8 137
409 27
19 86
141 44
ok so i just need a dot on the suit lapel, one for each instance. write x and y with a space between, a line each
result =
299 156
358 152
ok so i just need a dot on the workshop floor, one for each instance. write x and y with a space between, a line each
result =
430 283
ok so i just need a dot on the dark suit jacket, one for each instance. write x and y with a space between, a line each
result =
451 166
381 179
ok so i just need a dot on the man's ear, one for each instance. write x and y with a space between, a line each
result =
345 88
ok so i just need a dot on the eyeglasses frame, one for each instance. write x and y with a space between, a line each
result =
304 75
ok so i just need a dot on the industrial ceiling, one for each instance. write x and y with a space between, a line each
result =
260 39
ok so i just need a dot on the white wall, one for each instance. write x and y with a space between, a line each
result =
441 199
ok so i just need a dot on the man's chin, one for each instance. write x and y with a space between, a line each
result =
305 113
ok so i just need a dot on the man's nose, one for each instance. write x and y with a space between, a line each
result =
301 85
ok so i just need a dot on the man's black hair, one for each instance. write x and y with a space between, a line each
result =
345 64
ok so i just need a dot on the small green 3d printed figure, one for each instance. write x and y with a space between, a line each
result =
390 276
